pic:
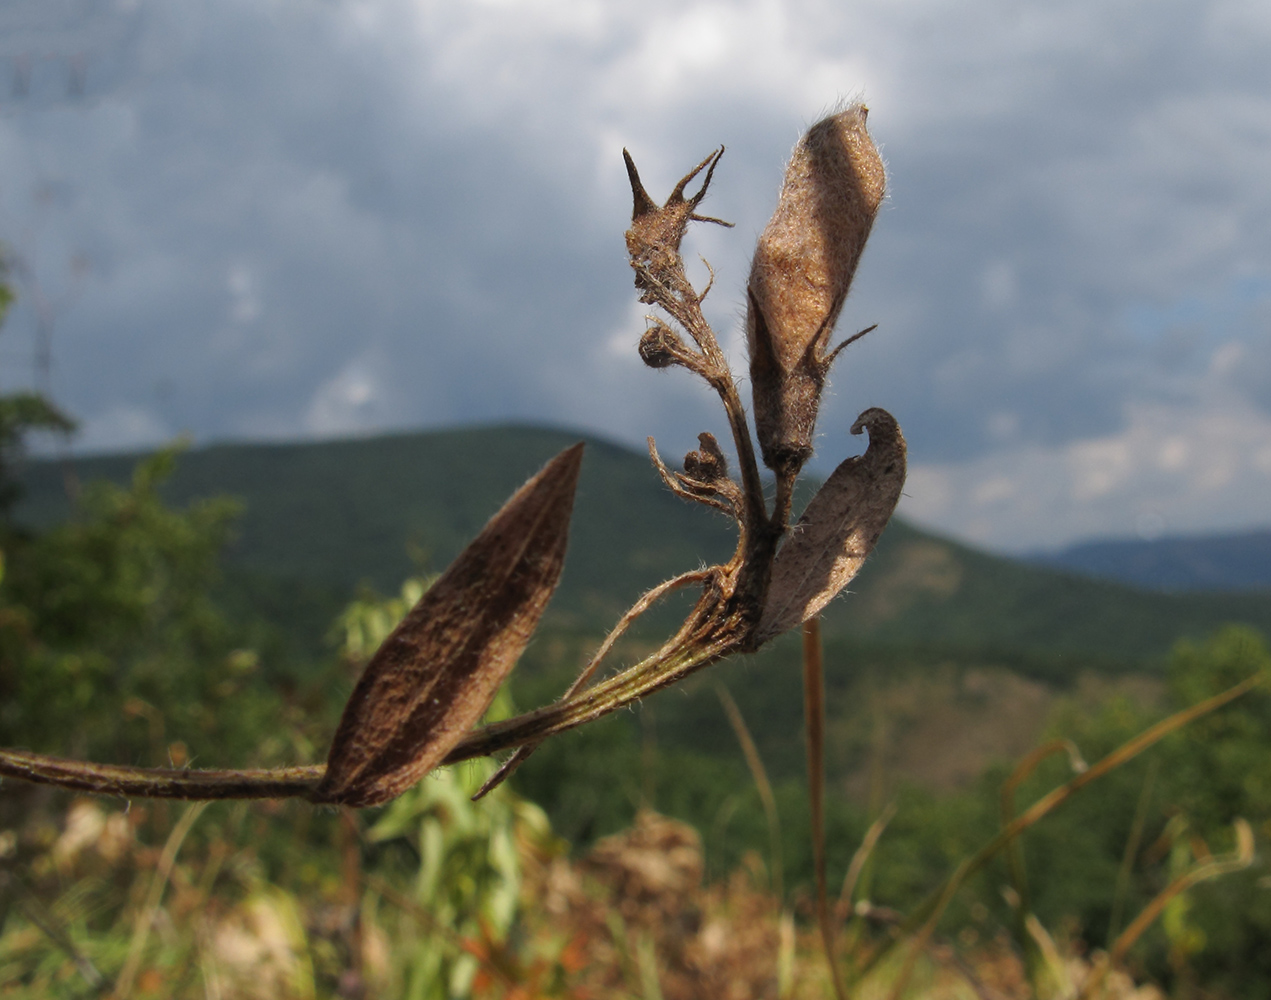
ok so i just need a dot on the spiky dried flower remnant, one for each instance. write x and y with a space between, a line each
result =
800 276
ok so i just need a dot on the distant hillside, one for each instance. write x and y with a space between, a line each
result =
338 514
331 515
940 661
1192 562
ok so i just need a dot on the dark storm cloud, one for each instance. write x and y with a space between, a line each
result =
295 218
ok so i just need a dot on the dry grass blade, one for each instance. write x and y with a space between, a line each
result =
760 775
839 528
1021 904
1132 844
1240 858
814 717
862 855
145 917
436 674
923 920
32 907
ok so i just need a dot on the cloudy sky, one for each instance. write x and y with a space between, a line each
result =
280 219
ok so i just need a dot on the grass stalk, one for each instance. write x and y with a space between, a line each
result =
145 918
1033 948
814 718
760 777
860 858
918 926
1208 868
1132 845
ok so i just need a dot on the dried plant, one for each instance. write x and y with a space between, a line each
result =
434 677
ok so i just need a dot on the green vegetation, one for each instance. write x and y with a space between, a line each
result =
173 628
109 621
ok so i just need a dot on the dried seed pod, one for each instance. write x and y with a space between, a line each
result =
435 676
838 530
800 276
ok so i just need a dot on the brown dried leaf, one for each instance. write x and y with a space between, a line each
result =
839 528
435 676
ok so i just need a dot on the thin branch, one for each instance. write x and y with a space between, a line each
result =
160 782
626 621
700 642
522 753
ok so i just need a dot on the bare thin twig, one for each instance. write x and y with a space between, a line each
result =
522 753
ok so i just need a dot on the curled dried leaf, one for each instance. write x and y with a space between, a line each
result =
436 674
839 528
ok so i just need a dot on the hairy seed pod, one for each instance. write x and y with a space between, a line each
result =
800 276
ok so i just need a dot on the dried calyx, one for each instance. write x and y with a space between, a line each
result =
434 677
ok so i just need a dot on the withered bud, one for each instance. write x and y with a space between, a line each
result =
709 464
661 347
800 276
653 241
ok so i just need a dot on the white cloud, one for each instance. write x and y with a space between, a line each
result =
1182 469
345 403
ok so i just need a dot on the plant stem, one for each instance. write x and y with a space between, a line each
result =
160 782
814 719
760 776
688 651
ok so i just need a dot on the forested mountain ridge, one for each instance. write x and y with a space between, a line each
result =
1238 561
324 517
